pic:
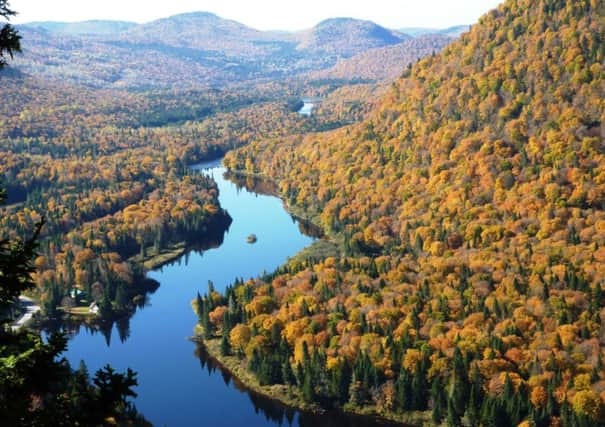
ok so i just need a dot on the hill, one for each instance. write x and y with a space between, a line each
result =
386 63
346 37
204 31
97 63
470 208
94 27
455 31
189 50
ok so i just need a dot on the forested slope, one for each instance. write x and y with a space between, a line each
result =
386 63
190 50
470 208
109 172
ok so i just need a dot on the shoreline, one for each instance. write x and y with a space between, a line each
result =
324 239
292 398
141 286
287 395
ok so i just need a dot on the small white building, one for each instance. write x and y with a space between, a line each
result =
93 308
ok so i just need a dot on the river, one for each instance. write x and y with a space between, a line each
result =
178 384
307 108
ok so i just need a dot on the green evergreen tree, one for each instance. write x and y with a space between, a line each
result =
308 392
199 304
225 345
438 399
10 40
288 373
459 387
105 307
476 397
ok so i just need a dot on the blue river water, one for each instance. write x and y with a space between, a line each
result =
178 386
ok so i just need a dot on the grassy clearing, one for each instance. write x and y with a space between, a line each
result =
169 254
79 311
319 249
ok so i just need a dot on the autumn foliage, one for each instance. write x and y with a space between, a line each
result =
470 209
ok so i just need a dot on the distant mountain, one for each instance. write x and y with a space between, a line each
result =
347 37
98 63
199 49
417 31
385 63
205 31
95 27
455 31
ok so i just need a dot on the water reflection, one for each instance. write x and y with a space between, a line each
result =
261 186
283 415
209 237
73 326
174 389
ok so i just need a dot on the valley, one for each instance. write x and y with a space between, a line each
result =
345 225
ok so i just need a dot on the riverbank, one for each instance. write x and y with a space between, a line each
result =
164 256
291 397
208 237
328 245
270 187
237 368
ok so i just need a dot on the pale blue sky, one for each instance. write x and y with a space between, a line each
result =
263 14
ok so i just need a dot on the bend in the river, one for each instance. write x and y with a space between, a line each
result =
178 383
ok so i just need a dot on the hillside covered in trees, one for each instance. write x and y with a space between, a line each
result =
38 387
195 50
470 211
386 63
109 171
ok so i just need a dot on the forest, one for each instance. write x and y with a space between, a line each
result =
109 173
37 386
202 50
469 209
465 200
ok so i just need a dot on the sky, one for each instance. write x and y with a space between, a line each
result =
262 14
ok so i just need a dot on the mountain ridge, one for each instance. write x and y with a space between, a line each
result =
453 31
470 209
385 63
89 27
348 36
198 48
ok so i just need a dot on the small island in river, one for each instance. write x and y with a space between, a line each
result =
251 239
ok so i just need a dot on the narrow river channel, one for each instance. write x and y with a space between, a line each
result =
178 385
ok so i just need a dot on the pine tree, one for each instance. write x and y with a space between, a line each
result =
438 399
476 397
403 391
10 40
419 389
200 305
225 345
307 388
453 418
459 386
105 307
341 379
287 373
